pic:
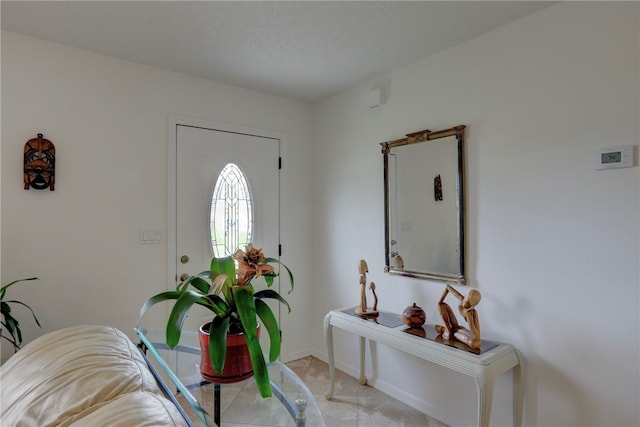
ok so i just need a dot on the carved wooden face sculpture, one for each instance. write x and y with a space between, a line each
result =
363 267
39 164
437 188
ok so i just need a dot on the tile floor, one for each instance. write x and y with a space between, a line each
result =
352 405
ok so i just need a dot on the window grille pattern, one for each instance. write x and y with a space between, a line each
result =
231 218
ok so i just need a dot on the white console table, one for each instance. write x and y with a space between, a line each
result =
484 367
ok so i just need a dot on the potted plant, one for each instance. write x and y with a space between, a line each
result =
9 323
227 291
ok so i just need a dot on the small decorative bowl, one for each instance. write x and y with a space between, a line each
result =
414 316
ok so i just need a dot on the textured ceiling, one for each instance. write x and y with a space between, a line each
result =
304 50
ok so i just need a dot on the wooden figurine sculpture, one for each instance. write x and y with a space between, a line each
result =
362 309
398 262
451 330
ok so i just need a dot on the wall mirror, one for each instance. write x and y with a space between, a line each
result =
424 205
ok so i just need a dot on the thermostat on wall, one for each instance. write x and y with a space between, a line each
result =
620 156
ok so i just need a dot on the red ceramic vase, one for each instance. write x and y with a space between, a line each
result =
237 366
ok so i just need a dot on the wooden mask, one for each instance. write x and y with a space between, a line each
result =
39 164
437 188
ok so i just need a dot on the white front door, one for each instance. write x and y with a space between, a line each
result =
201 153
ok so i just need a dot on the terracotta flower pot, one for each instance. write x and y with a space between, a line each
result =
237 366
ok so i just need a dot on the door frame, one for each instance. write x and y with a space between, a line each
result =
173 123
174 120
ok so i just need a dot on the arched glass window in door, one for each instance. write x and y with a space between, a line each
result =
231 212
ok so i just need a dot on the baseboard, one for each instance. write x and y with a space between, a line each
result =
290 357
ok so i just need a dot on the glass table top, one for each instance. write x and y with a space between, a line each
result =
394 320
206 404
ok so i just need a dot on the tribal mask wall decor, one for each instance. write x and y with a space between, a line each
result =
437 188
39 164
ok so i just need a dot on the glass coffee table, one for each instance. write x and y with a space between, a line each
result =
209 404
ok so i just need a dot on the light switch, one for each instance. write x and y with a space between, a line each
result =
151 235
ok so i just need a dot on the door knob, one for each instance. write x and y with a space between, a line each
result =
183 277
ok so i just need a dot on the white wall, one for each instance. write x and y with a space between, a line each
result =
108 119
543 228
552 245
